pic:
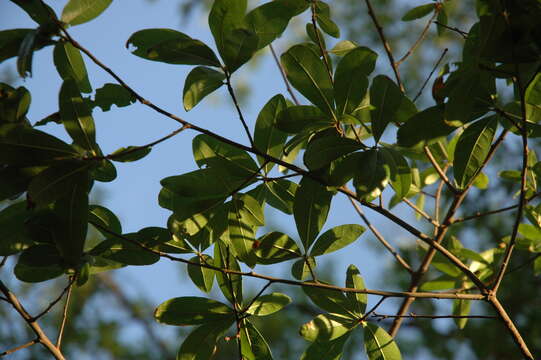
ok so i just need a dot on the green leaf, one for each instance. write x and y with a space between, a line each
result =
532 97
113 94
268 304
351 78
37 10
14 181
443 282
354 280
269 20
202 277
419 12
461 308
307 73
267 137
372 174
331 301
80 11
191 310
386 97
441 20
281 195
200 82
322 150
130 153
235 41
472 149
327 327
401 177
230 284
323 17
70 65
122 251
72 212
313 34
26 54
11 40
76 116
252 344
328 350
201 343
276 247
310 209
379 345
343 47
537 266
14 104
105 218
424 128
14 236
39 263
21 145
103 170
244 216
336 238
56 181
301 268
295 119
216 154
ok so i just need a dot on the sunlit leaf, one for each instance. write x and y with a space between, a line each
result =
336 238
379 345
80 11
354 280
70 64
418 12
201 343
267 137
191 310
276 247
268 304
200 82
327 327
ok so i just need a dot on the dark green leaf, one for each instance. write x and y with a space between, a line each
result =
215 154
56 181
321 151
38 10
130 153
327 327
418 12
302 269
252 344
269 20
76 116
310 209
12 229
276 247
472 149
307 73
379 345
281 195
336 238
191 310
295 119
441 20
386 97
313 35
230 284
372 175
14 181
354 280
267 137
351 78
103 170
268 304
11 40
200 82
70 65
201 343
201 276
52 118
323 17
331 301
424 128
113 94
328 350
105 218
401 177
80 11
14 104
125 252
532 97
39 263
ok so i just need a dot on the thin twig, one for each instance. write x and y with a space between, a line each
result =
385 44
32 323
283 73
237 106
4 260
20 347
64 317
527 262
430 75
438 169
380 237
320 42
415 316
55 301
373 309
265 287
420 212
419 39
462 33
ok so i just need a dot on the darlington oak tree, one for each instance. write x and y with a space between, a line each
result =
489 97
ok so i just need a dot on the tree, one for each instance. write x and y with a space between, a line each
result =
487 100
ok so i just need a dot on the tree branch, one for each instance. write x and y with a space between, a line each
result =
20 347
419 39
